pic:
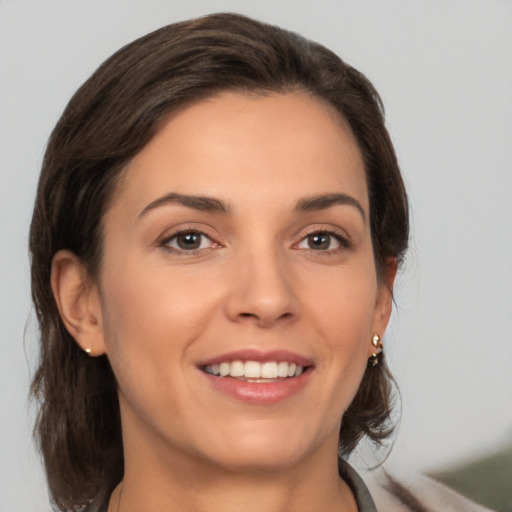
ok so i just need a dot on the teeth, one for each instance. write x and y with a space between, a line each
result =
255 370
282 369
269 370
237 369
224 369
252 370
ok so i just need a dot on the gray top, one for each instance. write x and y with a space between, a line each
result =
361 493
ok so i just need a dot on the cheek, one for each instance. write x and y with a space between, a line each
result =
342 314
152 319
152 312
343 305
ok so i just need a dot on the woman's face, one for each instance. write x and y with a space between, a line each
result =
239 241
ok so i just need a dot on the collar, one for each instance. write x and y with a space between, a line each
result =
361 493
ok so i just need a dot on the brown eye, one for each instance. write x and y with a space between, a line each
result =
320 241
188 241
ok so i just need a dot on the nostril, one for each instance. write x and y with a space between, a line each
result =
253 315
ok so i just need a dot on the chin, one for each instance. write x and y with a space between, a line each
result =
263 451
264 461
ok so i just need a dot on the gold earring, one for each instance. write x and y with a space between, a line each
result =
377 343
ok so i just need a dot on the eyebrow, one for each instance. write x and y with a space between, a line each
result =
213 205
202 203
324 201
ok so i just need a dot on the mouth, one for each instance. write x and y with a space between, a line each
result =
258 378
255 371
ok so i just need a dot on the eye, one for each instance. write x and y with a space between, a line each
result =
321 241
188 241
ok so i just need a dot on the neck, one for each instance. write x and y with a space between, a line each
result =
177 483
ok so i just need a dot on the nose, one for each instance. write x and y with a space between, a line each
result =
261 290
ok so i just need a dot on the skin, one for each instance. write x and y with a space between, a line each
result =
256 281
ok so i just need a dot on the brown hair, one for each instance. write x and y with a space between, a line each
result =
106 123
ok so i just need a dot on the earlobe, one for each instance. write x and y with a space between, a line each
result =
384 302
78 302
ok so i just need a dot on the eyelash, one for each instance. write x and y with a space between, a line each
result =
165 242
342 240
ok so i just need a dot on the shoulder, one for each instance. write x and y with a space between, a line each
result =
413 492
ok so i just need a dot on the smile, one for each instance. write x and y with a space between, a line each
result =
258 377
254 371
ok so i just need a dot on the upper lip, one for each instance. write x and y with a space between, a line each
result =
258 356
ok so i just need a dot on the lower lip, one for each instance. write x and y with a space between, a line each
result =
259 392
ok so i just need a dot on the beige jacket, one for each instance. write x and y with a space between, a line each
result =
418 494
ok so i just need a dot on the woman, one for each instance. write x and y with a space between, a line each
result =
219 221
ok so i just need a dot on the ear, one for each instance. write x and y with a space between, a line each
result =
78 302
384 301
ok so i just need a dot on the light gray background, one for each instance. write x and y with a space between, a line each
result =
444 70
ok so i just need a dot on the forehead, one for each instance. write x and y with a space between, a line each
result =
264 148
